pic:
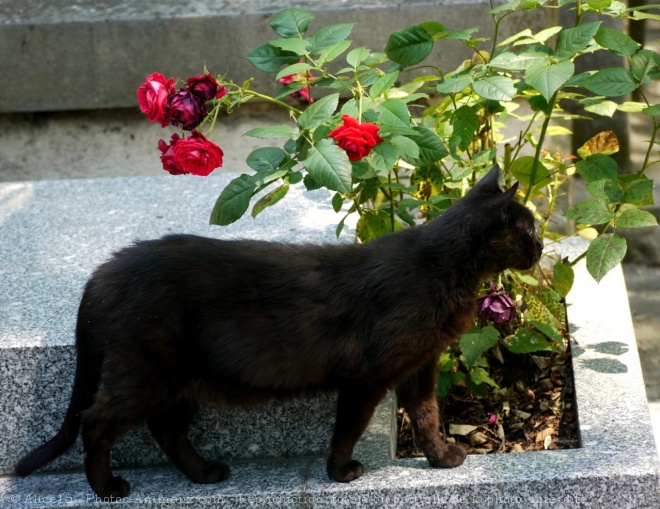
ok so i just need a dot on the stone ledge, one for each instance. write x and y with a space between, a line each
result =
616 466
94 54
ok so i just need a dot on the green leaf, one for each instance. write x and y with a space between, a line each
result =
266 158
549 331
547 79
233 201
635 218
435 30
329 53
522 167
617 42
409 46
462 34
270 199
407 147
562 278
605 190
591 212
269 58
573 40
545 305
383 157
329 166
337 202
298 46
293 69
431 147
454 84
652 111
356 56
383 84
604 253
275 131
644 63
611 82
604 108
372 225
480 376
518 61
474 344
394 117
597 167
639 192
318 112
496 88
528 341
291 22
465 123
330 36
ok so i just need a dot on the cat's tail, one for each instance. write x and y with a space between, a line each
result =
85 385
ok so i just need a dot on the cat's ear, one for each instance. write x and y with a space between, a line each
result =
491 181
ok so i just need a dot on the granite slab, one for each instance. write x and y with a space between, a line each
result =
52 235
615 467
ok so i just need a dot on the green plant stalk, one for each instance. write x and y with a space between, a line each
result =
284 105
539 148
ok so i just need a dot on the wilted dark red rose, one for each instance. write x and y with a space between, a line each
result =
206 87
153 97
186 110
355 138
194 154
496 306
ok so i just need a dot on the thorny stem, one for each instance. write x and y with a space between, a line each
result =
539 147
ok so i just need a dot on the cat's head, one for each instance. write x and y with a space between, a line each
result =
503 230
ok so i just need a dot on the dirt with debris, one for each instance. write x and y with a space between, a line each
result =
533 410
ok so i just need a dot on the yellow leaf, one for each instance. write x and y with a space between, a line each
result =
603 143
588 233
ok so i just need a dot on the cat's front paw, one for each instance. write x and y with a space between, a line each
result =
452 456
214 472
347 472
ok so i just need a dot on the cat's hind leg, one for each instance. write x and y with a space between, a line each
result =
102 425
169 427
417 396
355 406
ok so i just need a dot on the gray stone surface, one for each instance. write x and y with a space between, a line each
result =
52 235
616 467
90 54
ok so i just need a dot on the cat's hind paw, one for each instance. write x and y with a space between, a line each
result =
117 488
346 473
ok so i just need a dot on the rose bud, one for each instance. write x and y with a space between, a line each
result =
153 97
186 110
206 87
496 306
355 138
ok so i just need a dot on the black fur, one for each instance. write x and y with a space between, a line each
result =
169 324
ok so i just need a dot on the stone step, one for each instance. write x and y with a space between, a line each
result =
94 53
52 234
55 233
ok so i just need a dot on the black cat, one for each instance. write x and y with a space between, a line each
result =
168 325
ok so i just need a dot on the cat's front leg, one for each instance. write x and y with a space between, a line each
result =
355 406
417 396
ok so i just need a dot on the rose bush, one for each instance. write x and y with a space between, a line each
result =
398 152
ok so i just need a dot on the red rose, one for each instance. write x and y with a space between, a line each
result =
194 154
205 87
355 138
185 110
153 97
